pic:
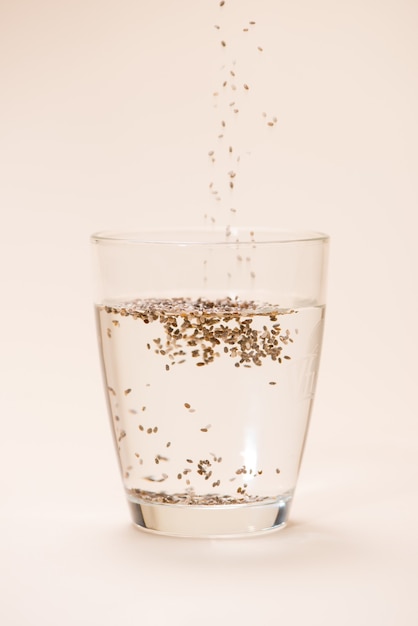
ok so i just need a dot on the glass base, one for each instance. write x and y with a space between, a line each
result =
210 521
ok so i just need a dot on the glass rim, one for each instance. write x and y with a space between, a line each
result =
200 237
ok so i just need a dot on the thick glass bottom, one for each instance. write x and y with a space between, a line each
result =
210 521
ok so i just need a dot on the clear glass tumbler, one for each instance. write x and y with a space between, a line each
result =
210 344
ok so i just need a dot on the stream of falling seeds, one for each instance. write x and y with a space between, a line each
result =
229 100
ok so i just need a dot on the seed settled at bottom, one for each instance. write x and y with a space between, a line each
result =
190 498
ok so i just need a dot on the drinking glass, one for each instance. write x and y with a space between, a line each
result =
210 345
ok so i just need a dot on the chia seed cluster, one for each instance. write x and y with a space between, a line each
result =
203 329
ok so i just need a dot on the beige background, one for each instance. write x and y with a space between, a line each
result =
106 118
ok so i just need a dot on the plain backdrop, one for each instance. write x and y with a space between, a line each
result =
106 119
